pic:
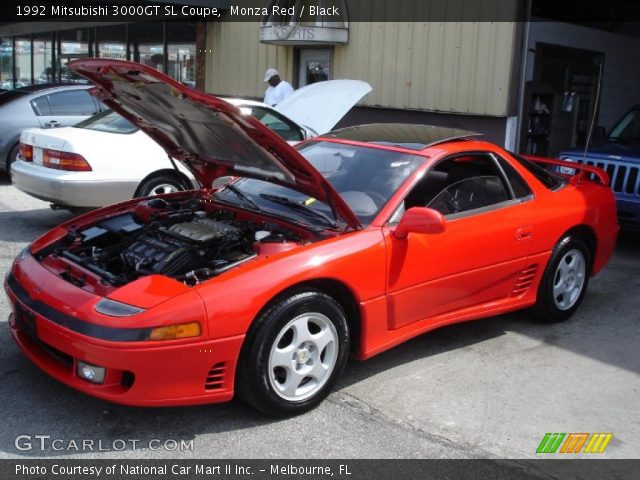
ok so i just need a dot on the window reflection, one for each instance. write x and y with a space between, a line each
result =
23 62
6 63
43 59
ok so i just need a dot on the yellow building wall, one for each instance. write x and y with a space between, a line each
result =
454 67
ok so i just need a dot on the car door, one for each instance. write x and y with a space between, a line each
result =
480 256
66 108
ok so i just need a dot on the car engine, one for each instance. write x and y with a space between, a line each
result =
182 240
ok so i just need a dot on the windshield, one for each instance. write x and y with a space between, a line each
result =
108 121
628 129
365 178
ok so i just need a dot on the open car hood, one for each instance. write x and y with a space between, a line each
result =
321 105
211 137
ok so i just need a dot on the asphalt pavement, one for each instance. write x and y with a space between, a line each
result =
484 389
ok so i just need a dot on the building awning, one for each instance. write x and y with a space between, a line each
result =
305 22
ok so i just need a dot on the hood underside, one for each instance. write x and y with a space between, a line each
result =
211 137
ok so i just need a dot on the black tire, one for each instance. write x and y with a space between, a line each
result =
12 157
150 186
257 380
557 307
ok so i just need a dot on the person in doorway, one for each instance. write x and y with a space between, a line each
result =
277 90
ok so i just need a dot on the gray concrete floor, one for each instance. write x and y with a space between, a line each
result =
490 388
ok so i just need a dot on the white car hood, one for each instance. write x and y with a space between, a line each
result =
320 106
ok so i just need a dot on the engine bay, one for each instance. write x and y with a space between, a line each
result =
188 240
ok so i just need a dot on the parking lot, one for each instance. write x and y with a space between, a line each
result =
490 388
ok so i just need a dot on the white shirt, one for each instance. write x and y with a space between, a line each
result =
274 95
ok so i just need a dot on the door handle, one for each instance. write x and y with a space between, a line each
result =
52 123
524 233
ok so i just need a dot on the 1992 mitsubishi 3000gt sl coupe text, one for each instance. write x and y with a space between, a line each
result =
350 243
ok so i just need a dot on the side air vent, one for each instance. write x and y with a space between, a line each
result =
215 377
524 280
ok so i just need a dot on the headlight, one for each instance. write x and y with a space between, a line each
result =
116 309
568 170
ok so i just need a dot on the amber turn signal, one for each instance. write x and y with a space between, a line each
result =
174 332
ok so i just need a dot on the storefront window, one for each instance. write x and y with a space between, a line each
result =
112 42
73 44
6 63
43 57
181 61
147 44
23 62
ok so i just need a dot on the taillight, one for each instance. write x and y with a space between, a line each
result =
64 161
26 152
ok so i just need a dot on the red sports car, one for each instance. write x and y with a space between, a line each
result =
349 244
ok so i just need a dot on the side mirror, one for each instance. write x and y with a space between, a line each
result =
420 220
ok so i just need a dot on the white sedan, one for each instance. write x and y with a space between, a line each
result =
106 159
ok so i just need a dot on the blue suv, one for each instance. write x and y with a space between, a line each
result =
619 156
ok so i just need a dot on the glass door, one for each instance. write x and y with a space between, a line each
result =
314 65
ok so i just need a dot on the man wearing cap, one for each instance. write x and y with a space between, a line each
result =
277 90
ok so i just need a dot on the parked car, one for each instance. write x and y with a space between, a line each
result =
46 106
351 243
619 155
90 164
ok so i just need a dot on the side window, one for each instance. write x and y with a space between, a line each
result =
459 184
278 124
40 105
469 194
73 102
520 187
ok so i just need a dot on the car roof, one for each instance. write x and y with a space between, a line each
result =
403 135
47 86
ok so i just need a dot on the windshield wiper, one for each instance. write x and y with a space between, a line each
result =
242 196
298 206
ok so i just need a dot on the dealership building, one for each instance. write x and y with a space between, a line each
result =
530 84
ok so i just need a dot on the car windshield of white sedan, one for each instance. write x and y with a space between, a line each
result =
365 178
108 121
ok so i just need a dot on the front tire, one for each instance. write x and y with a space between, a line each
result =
159 185
565 280
294 354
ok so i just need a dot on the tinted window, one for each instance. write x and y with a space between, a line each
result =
277 123
628 129
41 105
108 121
73 102
459 184
469 194
520 187
550 180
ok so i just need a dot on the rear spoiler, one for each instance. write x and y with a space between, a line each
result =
588 172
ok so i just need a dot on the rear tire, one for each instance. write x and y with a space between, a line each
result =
294 354
160 184
565 280
12 157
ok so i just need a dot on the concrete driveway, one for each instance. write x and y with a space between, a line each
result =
490 388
